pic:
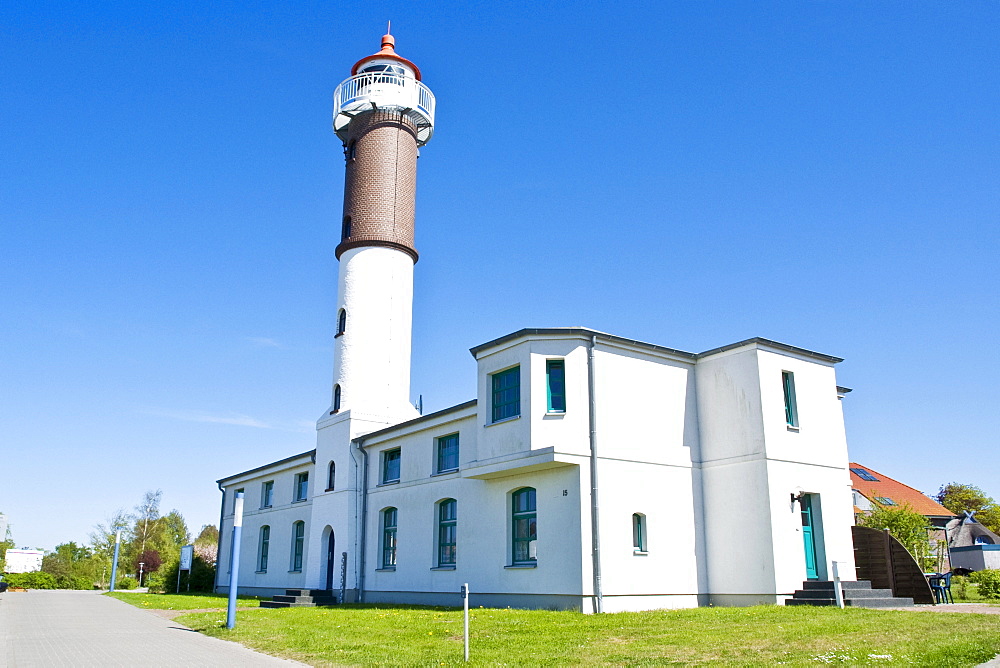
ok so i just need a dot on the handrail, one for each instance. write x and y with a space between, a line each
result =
354 88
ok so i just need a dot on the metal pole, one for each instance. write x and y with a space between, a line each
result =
234 560
595 514
836 585
114 563
465 605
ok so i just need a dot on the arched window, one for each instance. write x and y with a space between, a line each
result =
342 321
447 525
389 538
639 532
523 526
331 477
352 151
345 230
336 398
262 547
298 544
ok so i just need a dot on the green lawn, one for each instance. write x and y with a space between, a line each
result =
179 601
759 636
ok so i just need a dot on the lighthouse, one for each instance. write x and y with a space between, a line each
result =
383 114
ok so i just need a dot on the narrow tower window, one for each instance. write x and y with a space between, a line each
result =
639 532
336 398
791 410
331 477
345 230
352 151
342 321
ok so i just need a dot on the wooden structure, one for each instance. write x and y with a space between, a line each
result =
884 561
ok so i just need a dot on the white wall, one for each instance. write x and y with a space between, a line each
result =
372 357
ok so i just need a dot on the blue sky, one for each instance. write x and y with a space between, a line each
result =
688 174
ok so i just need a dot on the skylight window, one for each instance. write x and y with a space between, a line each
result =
864 475
885 500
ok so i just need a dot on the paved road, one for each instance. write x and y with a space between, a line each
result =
83 628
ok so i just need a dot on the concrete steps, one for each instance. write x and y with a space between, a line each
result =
856 594
301 598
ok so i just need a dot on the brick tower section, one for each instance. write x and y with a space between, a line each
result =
381 183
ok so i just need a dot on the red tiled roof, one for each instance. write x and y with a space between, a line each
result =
888 488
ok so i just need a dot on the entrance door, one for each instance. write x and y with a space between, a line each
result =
809 540
330 561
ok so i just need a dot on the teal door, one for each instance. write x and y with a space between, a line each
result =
808 538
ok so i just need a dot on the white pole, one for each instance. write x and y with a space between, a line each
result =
234 561
836 585
465 603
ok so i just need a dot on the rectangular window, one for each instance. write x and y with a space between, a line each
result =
506 394
301 486
239 491
864 474
298 543
885 500
447 535
267 494
524 529
265 541
791 411
389 538
555 378
390 465
447 453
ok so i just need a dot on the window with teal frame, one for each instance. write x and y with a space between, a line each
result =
524 526
506 394
639 532
791 410
262 549
555 380
447 532
447 453
390 465
298 544
389 538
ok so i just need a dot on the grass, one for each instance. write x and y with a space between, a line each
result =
196 601
757 636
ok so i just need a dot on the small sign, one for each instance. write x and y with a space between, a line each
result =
187 557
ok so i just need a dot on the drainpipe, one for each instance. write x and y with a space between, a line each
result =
218 545
364 518
595 525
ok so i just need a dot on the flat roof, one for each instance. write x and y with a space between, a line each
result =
583 331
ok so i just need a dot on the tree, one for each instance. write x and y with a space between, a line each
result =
959 499
6 543
151 562
102 538
146 514
905 525
206 545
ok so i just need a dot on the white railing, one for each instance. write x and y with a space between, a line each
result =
385 89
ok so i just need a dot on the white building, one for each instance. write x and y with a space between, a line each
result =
591 471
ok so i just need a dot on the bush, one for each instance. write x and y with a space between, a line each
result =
127 583
202 576
988 581
960 587
74 582
36 580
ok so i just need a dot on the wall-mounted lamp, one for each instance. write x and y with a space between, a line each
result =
797 498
